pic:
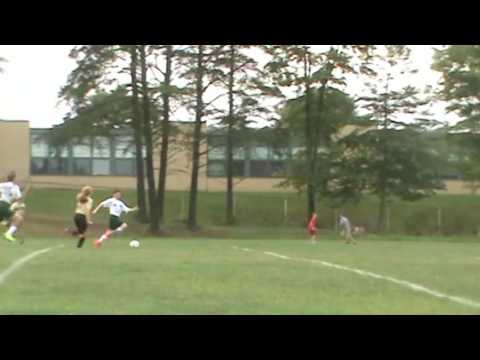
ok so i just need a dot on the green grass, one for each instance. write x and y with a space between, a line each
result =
205 276
201 273
49 208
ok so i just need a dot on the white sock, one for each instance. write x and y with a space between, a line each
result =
103 237
119 230
12 230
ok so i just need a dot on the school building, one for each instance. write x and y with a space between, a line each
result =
260 162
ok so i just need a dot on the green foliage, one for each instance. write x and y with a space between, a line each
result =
94 63
460 69
397 163
330 114
391 158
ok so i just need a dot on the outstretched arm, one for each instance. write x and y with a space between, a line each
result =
131 209
97 208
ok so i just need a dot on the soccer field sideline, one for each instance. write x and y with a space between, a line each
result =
404 283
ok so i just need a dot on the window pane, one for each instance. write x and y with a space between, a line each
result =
81 166
57 166
216 168
124 147
259 153
280 153
125 167
260 169
239 168
101 147
216 153
81 148
61 151
279 169
298 151
39 166
39 146
239 153
100 167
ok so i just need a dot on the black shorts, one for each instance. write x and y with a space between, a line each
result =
80 221
115 222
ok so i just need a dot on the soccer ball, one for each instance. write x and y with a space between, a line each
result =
134 244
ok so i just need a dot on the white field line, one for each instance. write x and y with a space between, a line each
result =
407 284
22 261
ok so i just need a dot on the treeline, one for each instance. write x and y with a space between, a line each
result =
149 88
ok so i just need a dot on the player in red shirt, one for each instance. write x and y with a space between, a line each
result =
312 227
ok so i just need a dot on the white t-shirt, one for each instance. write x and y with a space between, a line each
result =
117 207
9 192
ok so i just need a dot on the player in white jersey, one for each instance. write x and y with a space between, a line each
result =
346 229
116 207
9 194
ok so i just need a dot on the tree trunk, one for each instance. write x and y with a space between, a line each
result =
230 217
192 209
137 128
162 176
309 143
383 169
147 130
381 213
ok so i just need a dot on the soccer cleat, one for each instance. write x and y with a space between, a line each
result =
97 243
9 237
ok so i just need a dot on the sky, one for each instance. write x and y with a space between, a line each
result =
34 74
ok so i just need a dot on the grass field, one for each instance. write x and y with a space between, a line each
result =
205 276
207 272
48 207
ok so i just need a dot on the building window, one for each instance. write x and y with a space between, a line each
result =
89 156
238 168
81 167
239 153
260 169
268 169
101 167
279 153
101 147
124 148
279 168
39 166
298 151
82 148
216 152
216 168
57 166
125 167
259 153
39 147
45 159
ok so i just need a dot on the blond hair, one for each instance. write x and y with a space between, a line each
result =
84 193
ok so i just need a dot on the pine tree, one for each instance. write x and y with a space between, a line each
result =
148 138
88 92
303 69
199 63
460 88
242 83
389 157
